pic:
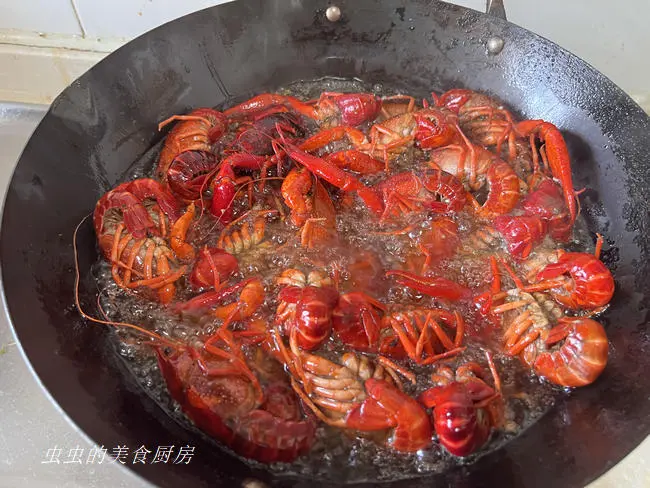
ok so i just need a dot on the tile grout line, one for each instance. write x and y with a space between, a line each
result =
77 42
78 17
47 49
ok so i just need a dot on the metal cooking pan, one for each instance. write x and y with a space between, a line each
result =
107 119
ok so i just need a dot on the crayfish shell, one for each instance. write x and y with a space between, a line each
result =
224 407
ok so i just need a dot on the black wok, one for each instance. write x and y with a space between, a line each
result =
107 119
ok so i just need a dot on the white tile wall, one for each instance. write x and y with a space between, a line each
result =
611 36
130 18
38 75
56 16
475 4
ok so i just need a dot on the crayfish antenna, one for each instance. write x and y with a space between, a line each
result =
599 245
392 366
493 370
280 132
204 184
513 275
90 318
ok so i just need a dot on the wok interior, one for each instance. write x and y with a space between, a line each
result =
107 119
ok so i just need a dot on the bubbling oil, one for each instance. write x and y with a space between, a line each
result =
336 455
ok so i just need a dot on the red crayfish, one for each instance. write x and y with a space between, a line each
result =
131 222
465 407
305 310
362 396
197 131
330 109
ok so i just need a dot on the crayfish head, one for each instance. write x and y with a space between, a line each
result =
434 128
353 109
455 99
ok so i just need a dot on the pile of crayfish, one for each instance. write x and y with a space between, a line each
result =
340 261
